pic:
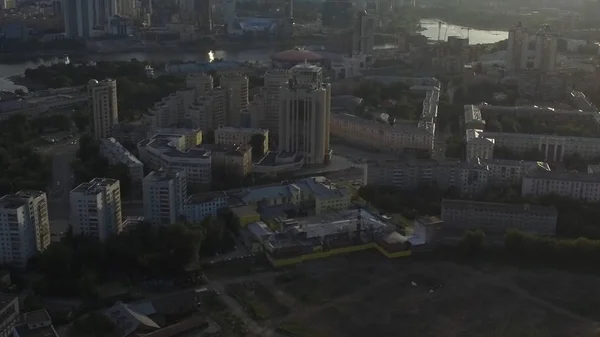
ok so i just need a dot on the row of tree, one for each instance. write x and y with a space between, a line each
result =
135 91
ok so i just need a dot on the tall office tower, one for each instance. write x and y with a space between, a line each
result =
201 82
518 48
204 10
24 227
79 18
164 197
305 114
364 34
96 208
237 85
274 80
126 8
545 50
103 105
104 10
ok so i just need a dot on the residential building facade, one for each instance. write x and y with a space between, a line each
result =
199 206
240 136
497 218
24 227
96 208
164 196
115 153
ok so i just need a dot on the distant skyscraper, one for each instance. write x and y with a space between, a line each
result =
204 14
518 48
305 112
545 50
103 10
103 106
79 18
364 34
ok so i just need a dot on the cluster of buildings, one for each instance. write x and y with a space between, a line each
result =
398 136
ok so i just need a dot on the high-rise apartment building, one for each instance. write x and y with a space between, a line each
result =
202 83
165 194
518 48
126 8
305 114
546 44
237 86
103 11
364 34
24 227
274 80
209 111
79 18
96 208
104 107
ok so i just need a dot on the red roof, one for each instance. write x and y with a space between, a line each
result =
296 55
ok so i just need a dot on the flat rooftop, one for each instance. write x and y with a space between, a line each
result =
95 186
498 207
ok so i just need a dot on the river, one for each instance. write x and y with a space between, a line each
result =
430 30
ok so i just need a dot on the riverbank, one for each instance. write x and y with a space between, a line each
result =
226 45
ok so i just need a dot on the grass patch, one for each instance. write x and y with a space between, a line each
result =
294 329
257 300
317 290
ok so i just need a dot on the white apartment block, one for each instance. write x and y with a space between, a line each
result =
237 86
164 196
24 227
497 218
240 136
209 111
576 185
402 135
172 153
115 153
304 119
480 143
200 82
171 110
96 208
104 106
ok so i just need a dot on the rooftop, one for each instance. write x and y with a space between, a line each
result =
201 198
499 207
230 149
162 175
95 186
540 173
241 130
113 146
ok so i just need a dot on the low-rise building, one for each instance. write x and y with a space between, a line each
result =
115 153
497 218
36 323
24 227
164 196
241 136
9 314
96 208
199 206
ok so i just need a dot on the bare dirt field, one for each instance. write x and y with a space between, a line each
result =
364 294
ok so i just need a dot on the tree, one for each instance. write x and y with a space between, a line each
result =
472 242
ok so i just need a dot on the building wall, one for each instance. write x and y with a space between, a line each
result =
9 315
164 197
495 218
78 16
